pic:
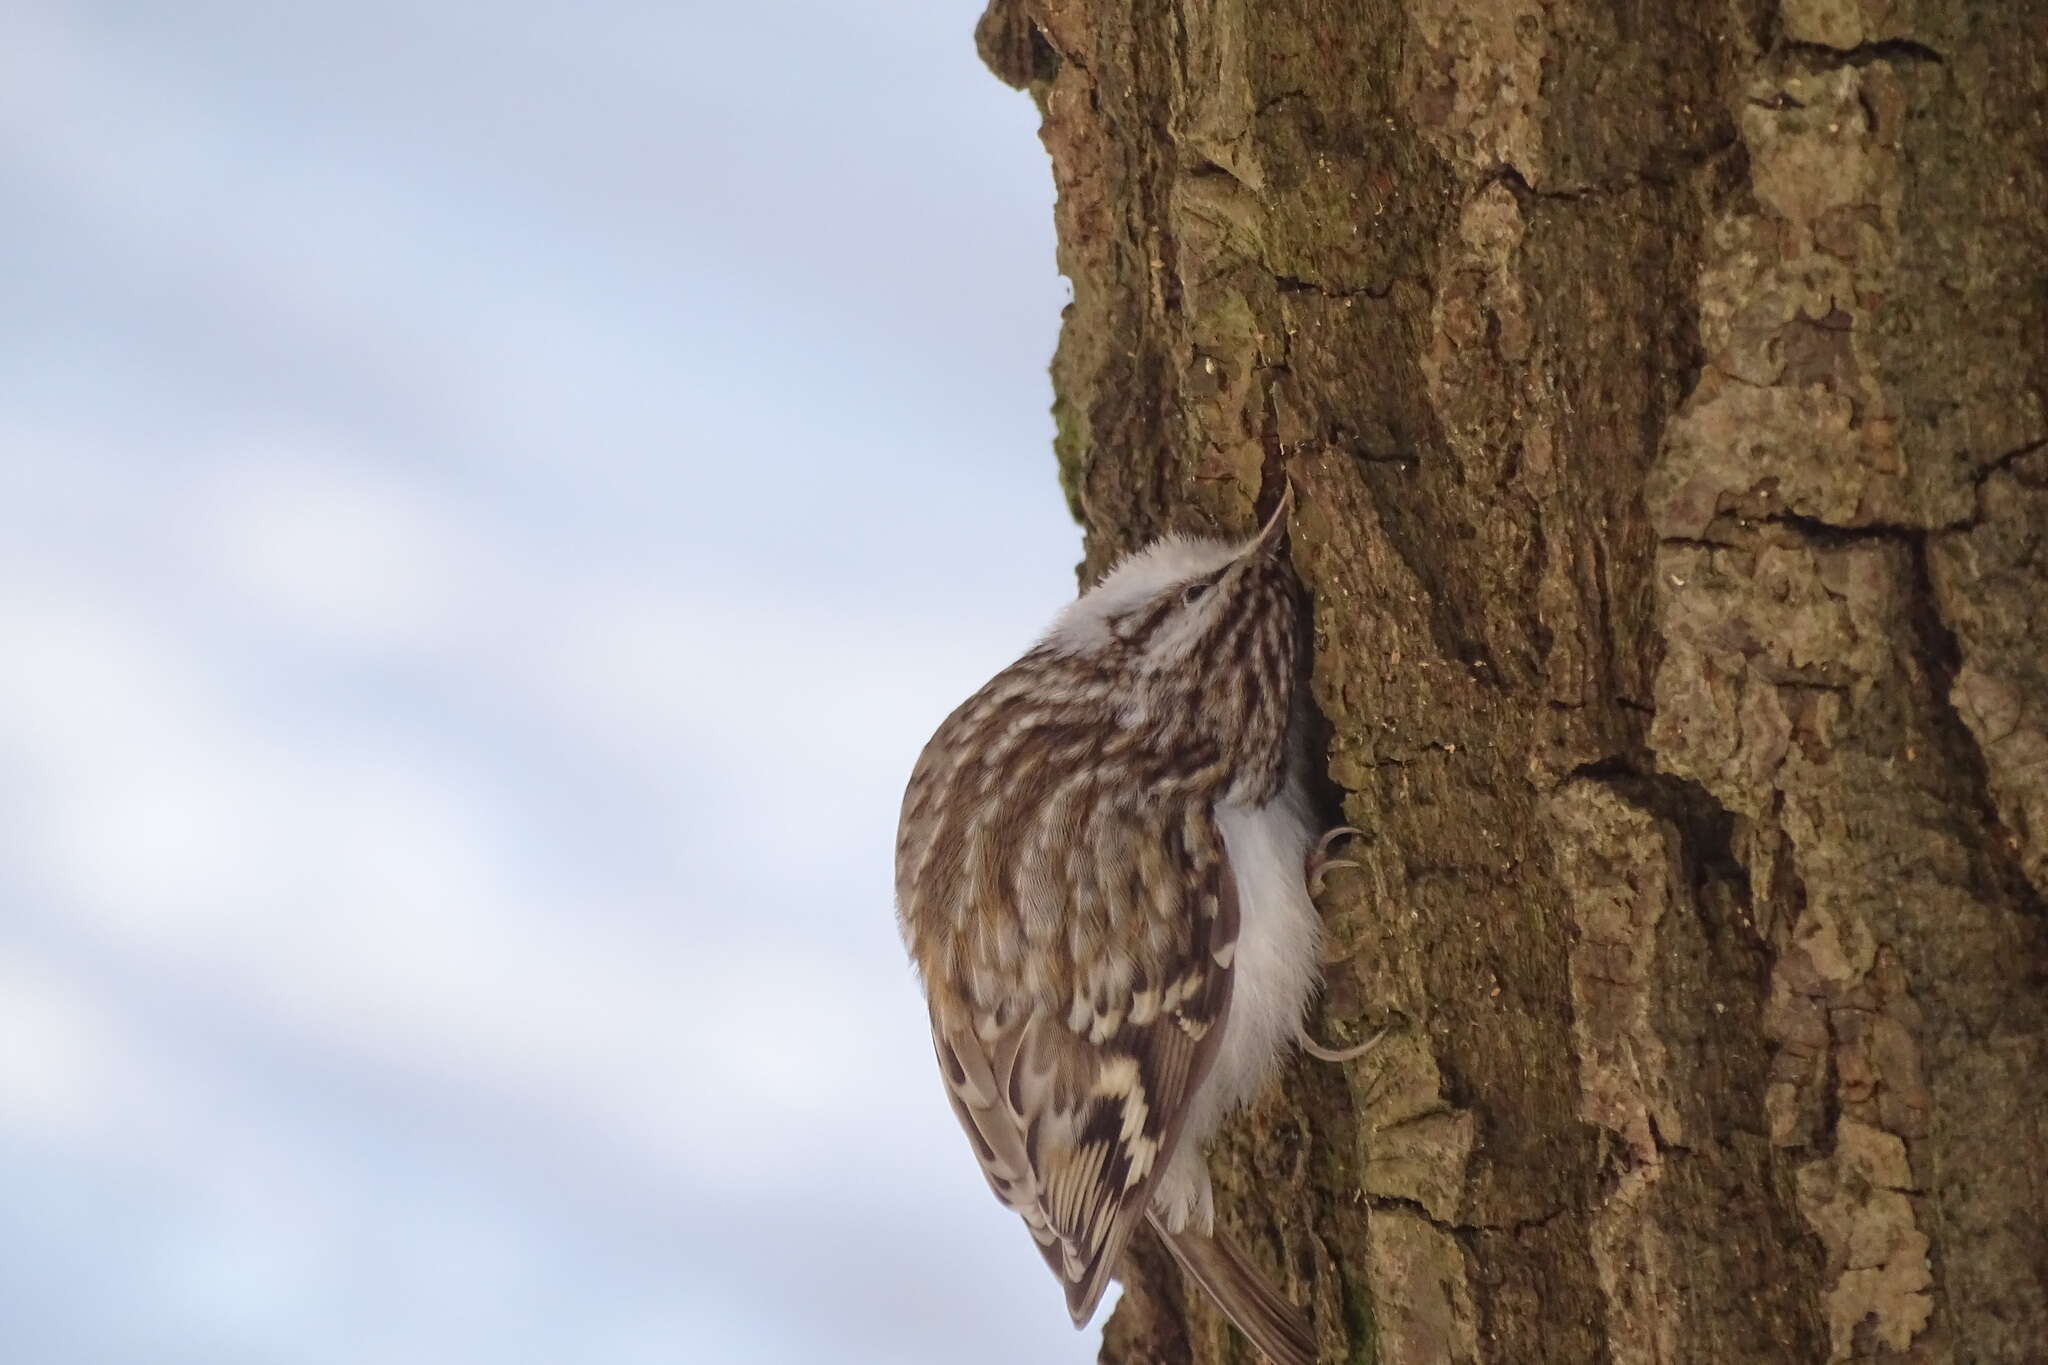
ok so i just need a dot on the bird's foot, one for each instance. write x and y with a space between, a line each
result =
1337 1054
1320 863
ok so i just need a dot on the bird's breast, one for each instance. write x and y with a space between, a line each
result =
1279 938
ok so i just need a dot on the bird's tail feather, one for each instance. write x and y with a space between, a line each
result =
1249 1299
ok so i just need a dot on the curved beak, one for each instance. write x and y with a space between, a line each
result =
1275 530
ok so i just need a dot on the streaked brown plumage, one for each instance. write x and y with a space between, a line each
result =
1099 875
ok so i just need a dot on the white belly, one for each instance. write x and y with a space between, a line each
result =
1279 941
1277 968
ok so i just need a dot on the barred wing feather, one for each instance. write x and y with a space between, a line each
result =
1073 1125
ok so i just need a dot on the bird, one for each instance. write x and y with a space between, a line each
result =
1103 870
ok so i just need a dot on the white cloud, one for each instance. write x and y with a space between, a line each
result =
363 896
453 730
326 547
777 691
64 1073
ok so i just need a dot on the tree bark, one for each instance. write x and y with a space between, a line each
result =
1665 387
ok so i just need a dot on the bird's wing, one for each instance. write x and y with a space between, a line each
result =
1075 1110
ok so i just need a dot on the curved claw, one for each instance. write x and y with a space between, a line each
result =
1320 862
1342 831
1336 1054
1321 868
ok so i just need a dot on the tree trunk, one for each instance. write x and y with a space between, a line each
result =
1665 387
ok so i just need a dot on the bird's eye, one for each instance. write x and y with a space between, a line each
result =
1192 593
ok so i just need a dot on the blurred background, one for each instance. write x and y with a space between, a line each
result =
492 500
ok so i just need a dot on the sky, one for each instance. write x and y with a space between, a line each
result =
492 500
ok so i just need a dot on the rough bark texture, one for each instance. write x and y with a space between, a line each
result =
1666 388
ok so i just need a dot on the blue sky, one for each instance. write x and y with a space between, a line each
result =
493 499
